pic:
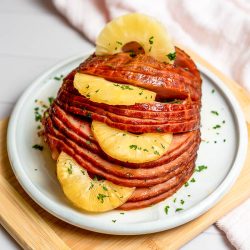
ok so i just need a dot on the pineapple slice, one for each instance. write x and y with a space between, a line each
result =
128 147
86 193
100 90
145 30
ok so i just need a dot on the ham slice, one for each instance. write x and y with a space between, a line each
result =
168 81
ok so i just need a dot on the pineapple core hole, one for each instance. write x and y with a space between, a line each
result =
133 47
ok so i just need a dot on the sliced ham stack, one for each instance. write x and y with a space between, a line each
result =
67 123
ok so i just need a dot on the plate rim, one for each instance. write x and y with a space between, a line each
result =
144 227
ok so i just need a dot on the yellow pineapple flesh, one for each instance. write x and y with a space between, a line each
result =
128 147
99 90
136 27
89 194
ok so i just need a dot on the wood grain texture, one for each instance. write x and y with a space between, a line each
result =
17 202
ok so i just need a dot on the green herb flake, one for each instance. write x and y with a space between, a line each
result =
151 40
214 112
133 146
166 209
158 129
171 56
83 172
223 121
122 213
114 221
91 185
215 141
88 142
213 90
132 54
224 140
193 180
216 126
189 195
104 188
38 117
51 100
57 78
156 152
145 150
174 200
178 209
182 202
120 43
69 169
123 134
186 184
101 197
38 127
200 168
97 91
38 147
163 146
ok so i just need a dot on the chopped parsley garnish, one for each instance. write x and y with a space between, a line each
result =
133 146
200 168
156 152
178 209
174 200
141 93
36 108
91 185
51 99
114 221
213 90
83 172
69 169
120 43
151 40
97 91
122 213
182 202
123 86
57 78
193 180
158 129
88 142
150 49
145 150
214 112
132 54
87 86
38 127
171 56
123 134
189 195
38 147
163 146
88 115
223 121
38 117
101 197
166 209
216 126
224 140
104 188
186 184
215 141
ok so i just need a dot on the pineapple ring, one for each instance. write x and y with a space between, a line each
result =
99 90
128 147
145 30
86 193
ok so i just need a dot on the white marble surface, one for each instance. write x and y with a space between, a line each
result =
34 37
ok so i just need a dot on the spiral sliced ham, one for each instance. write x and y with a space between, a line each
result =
67 123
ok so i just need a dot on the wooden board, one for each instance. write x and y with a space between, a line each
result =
34 228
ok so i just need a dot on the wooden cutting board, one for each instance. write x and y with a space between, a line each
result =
34 228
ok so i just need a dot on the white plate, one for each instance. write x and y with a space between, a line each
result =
36 171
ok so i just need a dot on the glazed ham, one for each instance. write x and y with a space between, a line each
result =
67 123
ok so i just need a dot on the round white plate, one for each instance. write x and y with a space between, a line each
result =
222 150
